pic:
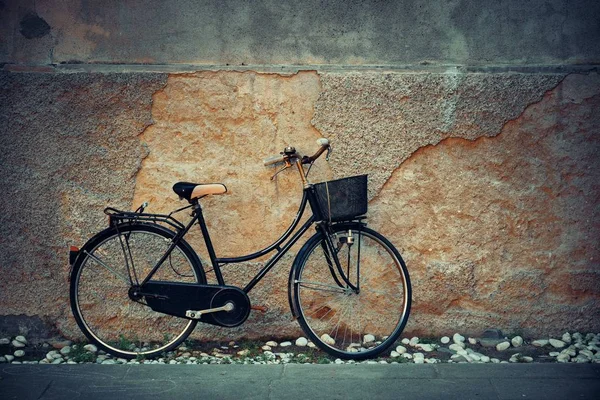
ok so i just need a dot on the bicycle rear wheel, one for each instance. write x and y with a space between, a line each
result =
356 312
103 280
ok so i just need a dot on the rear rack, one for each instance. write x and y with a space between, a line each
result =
116 217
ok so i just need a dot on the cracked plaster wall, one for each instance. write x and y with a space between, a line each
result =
487 183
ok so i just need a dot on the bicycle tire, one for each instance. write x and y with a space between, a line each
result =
325 303
100 283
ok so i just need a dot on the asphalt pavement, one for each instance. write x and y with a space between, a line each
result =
294 381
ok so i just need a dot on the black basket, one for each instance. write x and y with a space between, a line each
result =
343 199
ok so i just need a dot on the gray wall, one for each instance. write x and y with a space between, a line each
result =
336 32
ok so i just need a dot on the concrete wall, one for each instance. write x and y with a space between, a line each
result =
477 124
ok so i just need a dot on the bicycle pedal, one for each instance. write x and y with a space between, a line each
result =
262 309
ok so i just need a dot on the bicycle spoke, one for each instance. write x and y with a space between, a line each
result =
96 259
325 287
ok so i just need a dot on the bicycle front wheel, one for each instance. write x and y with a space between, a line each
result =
356 311
104 279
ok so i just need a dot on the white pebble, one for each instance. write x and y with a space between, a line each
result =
394 354
458 338
540 342
9 357
311 345
285 344
16 343
414 341
405 341
271 343
502 346
266 348
445 340
65 350
426 347
456 346
484 359
472 340
517 341
327 339
553 353
21 339
91 348
301 341
557 344
563 358
368 339
401 349
19 353
407 356
566 337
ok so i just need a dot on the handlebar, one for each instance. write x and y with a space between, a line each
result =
286 155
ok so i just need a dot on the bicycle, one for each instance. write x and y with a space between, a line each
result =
138 289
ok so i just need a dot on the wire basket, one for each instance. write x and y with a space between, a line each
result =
342 199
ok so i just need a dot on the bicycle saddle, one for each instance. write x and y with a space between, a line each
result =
190 191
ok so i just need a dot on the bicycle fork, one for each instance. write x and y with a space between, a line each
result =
342 278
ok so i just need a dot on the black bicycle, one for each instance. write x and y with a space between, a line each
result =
138 288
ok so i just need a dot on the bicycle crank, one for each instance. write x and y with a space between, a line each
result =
197 314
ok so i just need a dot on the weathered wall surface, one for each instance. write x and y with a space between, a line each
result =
272 32
494 209
476 122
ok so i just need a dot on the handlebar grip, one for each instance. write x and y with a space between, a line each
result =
273 159
323 142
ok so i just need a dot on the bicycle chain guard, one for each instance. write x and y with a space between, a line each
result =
226 306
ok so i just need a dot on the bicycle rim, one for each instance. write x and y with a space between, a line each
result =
343 321
100 292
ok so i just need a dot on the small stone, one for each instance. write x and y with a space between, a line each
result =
417 356
462 352
265 348
515 358
2 360
458 338
271 343
19 353
540 342
244 353
91 348
587 353
472 340
456 346
407 356
517 341
414 341
527 359
495 360
21 339
17 344
394 354
458 358
566 337
172 362
581 359
311 345
553 353
484 359
301 342
401 349
563 358
426 347
445 340
60 361
65 350
338 361
419 361
368 339
9 357
557 344
405 341
502 346
285 344
327 339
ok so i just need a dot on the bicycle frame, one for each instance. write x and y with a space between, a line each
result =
308 196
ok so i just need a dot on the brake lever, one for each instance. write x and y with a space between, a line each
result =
287 165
